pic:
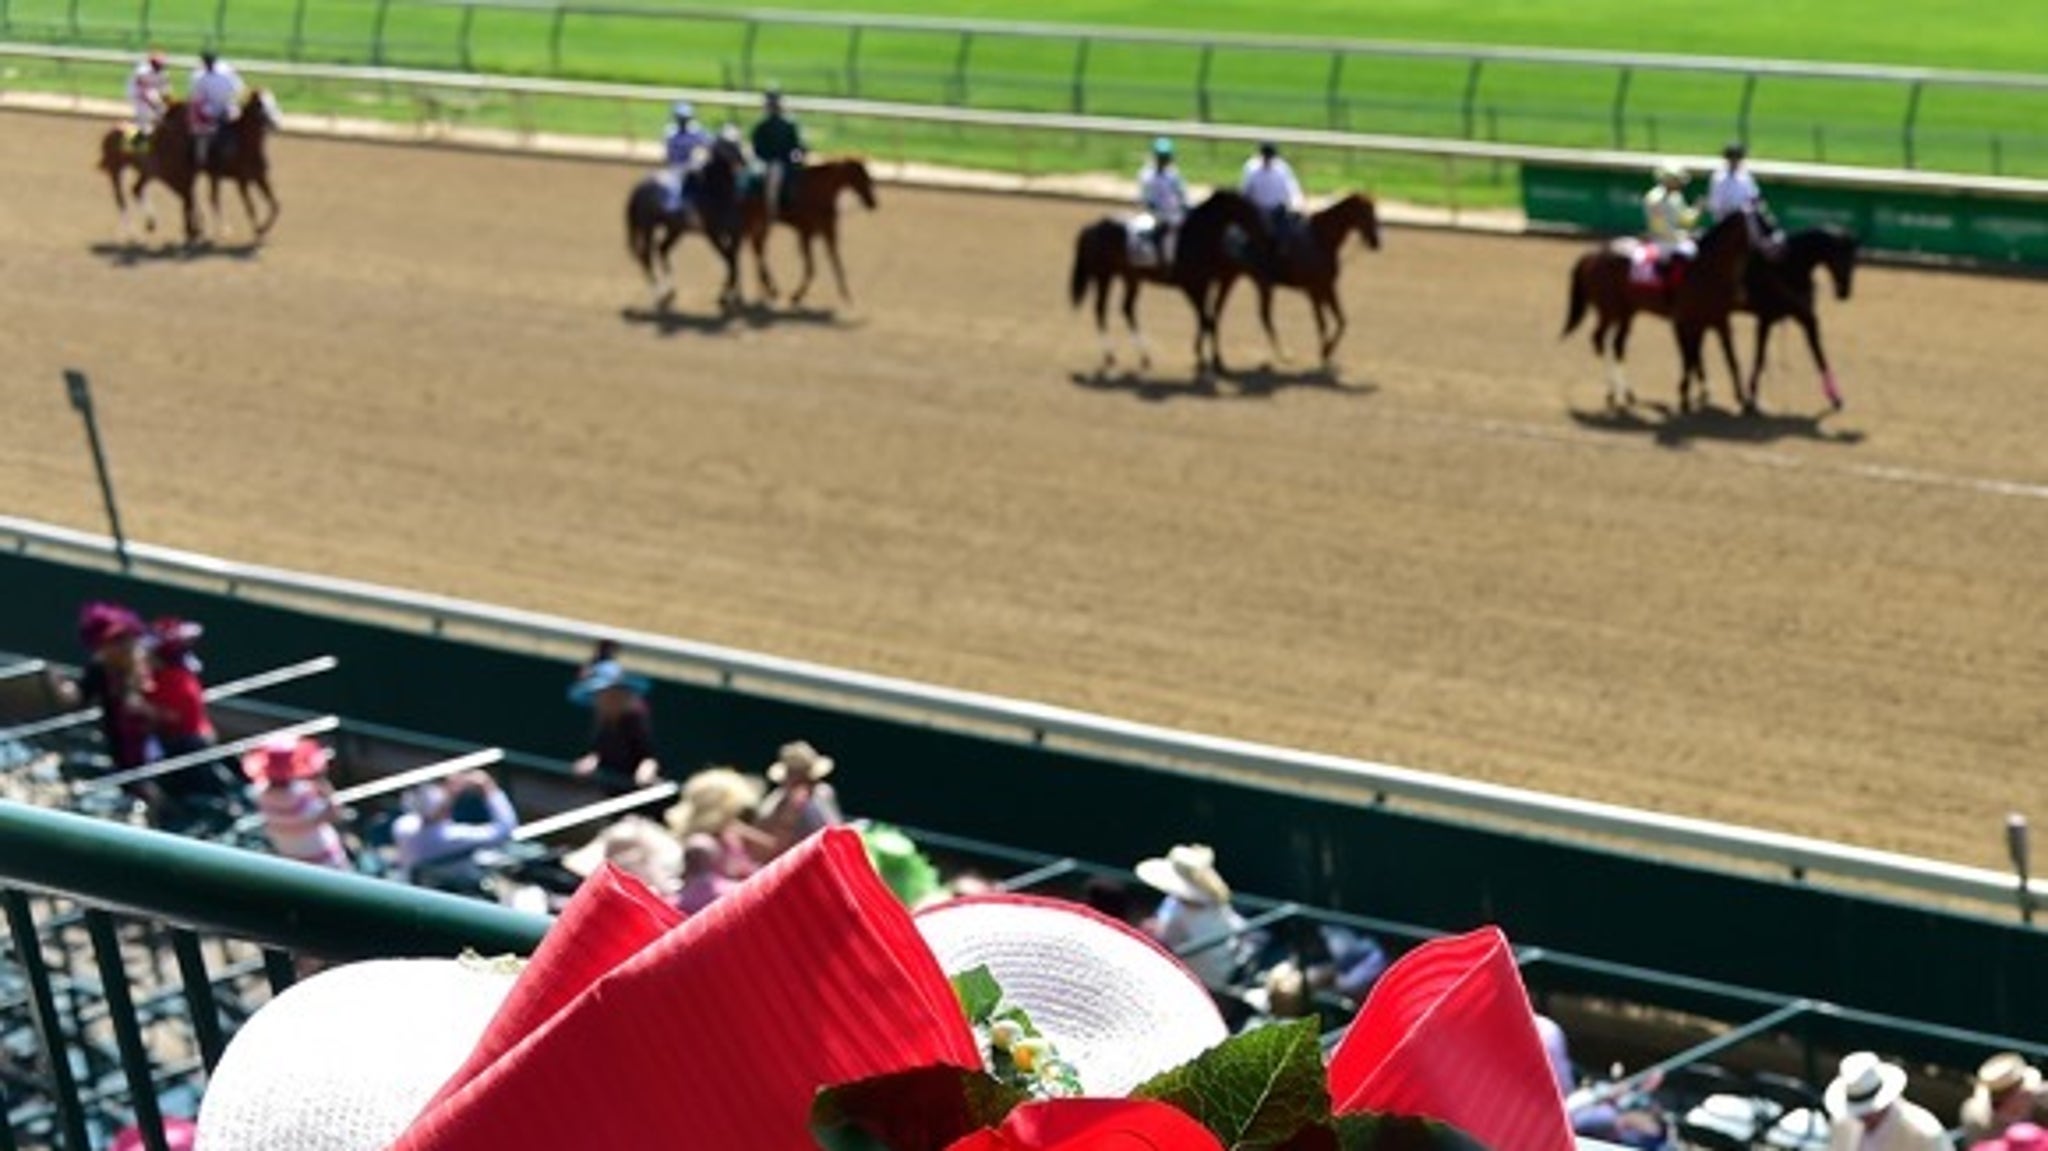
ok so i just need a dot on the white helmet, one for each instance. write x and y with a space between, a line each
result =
1669 173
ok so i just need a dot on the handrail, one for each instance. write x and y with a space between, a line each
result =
220 691
1836 175
1263 765
413 777
248 895
177 763
18 670
593 812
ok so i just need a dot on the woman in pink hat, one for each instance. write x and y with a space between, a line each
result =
297 801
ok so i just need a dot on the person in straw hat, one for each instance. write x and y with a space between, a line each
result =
802 803
1196 909
718 802
2008 1091
637 846
1867 1105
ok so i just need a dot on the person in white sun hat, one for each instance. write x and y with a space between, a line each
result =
1196 908
1869 1111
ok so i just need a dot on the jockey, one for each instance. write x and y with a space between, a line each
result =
1162 200
148 87
1733 189
779 146
685 147
1270 185
1669 218
215 100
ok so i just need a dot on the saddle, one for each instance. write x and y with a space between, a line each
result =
1654 271
1141 241
678 193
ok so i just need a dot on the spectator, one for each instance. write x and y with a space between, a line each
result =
1869 1112
622 740
1196 908
195 798
716 802
2018 1137
1280 996
1109 897
802 802
115 680
296 800
637 846
2008 1091
704 879
1558 1049
428 836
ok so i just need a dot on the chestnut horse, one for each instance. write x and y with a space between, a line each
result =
813 210
1307 262
238 155
1701 301
1779 286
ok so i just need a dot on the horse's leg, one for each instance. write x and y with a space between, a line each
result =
124 231
1130 309
249 209
1265 316
1337 328
262 181
1102 321
219 221
1763 341
831 232
1810 321
810 268
141 193
757 236
1690 339
1724 328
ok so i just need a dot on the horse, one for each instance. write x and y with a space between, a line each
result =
238 155
1701 301
712 207
1779 286
1102 253
123 148
813 210
1308 263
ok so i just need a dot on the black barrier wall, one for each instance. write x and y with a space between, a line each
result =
1775 936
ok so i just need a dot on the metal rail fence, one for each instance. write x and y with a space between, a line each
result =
1799 858
1973 120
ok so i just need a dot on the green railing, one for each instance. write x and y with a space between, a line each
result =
1906 117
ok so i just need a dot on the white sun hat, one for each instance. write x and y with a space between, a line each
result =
1114 1004
345 1060
1188 873
1865 1085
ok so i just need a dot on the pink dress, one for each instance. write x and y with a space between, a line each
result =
295 818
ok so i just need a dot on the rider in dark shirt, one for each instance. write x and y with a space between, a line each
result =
779 145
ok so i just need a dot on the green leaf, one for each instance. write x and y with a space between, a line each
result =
979 994
925 1109
1255 1091
1366 1131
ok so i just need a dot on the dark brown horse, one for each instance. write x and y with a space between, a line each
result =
1700 302
1102 253
1307 262
238 155
1779 286
813 210
655 222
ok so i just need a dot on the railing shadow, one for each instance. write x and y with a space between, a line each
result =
1672 428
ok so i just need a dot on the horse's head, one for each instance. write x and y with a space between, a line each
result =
1364 215
259 109
863 185
1838 252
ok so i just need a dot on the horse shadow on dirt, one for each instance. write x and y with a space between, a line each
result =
752 317
130 255
1260 383
1675 429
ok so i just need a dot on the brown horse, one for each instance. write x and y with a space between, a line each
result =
238 155
1103 251
1701 301
1307 262
1780 287
813 210
122 150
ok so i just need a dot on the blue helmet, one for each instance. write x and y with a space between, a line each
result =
1162 146
683 111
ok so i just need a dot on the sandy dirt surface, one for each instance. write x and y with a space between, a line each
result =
437 376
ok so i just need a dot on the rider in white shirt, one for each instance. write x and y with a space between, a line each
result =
1733 189
1270 185
148 88
1163 196
216 100
684 148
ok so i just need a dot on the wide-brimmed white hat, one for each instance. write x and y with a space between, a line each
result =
639 846
801 760
1864 1085
346 1060
1188 873
1115 1004
2008 1071
711 799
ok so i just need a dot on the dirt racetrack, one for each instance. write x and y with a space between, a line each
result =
1444 558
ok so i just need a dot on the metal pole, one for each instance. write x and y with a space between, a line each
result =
1333 92
1621 108
747 42
383 17
1080 93
1472 92
960 57
298 48
466 46
1202 82
1748 102
853 62
2016 847
80 391
555 40
1912 121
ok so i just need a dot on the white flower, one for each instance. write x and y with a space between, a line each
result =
1003 1034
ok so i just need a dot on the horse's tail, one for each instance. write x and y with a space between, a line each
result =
1576 312
637 235
1077 281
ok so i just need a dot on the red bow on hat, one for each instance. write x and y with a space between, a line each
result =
632 1027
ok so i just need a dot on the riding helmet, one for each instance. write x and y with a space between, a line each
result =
1162 146
1268 149
207 58
683 111
1734 150
157 61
